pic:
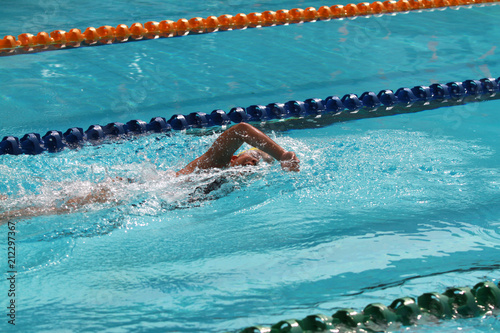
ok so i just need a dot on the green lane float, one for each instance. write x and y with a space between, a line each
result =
483 299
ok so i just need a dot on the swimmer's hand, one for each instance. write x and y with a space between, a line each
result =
290 162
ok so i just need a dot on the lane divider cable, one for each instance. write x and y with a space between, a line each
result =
311 113
104 35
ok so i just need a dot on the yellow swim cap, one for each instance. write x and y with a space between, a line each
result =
247 150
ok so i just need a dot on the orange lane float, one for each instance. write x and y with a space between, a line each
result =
324 13
91 36
43 40
122 33
296 15
377 8
226 22
59 38
74 38
269 18
403 6
428 4
255 20
182 27
241 21
338 11
364 8
152 29
416 4
137 31
283 17
27 41
106 34
167 28
441 3
212 24
8 44
197 25
311 14
351 10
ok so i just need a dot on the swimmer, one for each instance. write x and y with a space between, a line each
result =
219 155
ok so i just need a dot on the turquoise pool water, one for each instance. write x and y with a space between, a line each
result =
383 208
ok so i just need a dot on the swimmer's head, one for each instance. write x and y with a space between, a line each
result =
251 156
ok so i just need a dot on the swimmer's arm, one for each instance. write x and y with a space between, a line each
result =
100 195
220 153
27 213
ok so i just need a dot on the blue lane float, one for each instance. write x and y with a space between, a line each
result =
271 116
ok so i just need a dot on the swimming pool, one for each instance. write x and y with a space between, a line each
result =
382 208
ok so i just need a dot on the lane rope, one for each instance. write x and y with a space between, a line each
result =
463 302
105 35
311 113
